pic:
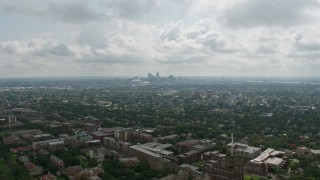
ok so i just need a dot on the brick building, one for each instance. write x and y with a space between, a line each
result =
185 146
140 137
157 158
189 157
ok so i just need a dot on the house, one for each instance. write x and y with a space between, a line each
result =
48 177
56 161
33 169
12 139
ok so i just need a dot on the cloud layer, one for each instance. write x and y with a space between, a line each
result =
134 37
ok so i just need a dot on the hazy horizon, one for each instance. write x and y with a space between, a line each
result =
188 38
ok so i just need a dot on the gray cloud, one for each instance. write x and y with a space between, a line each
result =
93 36
184 36
251 13
305 49
111 59
61 50
155 11
171 31
214 41
183 59
74 12
307 46
135 9
307 57
263 49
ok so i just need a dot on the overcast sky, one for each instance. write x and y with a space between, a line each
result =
179 37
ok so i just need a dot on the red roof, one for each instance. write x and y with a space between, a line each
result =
29 165
48 177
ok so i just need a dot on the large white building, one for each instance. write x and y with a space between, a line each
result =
244 150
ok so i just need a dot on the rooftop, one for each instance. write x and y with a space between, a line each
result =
274 161
50 141
157 145
99 133
157 150
93 141
41 135
142 149
56 143
243 147
188 153
266 154
188 142
194 168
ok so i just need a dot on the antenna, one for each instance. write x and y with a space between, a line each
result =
231 144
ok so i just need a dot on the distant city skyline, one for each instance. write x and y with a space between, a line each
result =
55 38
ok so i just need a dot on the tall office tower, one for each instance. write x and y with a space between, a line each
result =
157 75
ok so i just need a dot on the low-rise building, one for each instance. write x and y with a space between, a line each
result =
92 120
302 151
11 119
54 144
269 158
48 177
70 172
129 161
233 172
204 146
123 134
23 159
221 159
93 143
41 137
257 167
100 134
189 157
57 161
91 127
95 152
187 171
155 157
78 139
12 139
120 146
76 172
171 137
33 169
140 136
244 150
185 146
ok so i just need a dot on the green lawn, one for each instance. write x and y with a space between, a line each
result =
293 161
83 161
199 164
4 169
248 176
3 132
